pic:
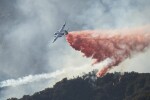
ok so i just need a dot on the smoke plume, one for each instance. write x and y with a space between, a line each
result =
29 78
57 76
117 45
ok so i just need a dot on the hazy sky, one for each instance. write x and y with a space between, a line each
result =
27 27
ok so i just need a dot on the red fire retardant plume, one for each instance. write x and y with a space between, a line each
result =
114 44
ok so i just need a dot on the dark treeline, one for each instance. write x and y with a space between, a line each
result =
130 86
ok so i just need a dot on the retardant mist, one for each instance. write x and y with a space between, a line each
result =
117 45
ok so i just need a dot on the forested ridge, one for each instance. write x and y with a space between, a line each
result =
113 86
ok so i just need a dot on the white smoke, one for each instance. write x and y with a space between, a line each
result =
59 74
29 78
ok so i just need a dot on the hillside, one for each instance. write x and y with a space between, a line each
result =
130 86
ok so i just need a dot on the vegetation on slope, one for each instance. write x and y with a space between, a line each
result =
130 86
